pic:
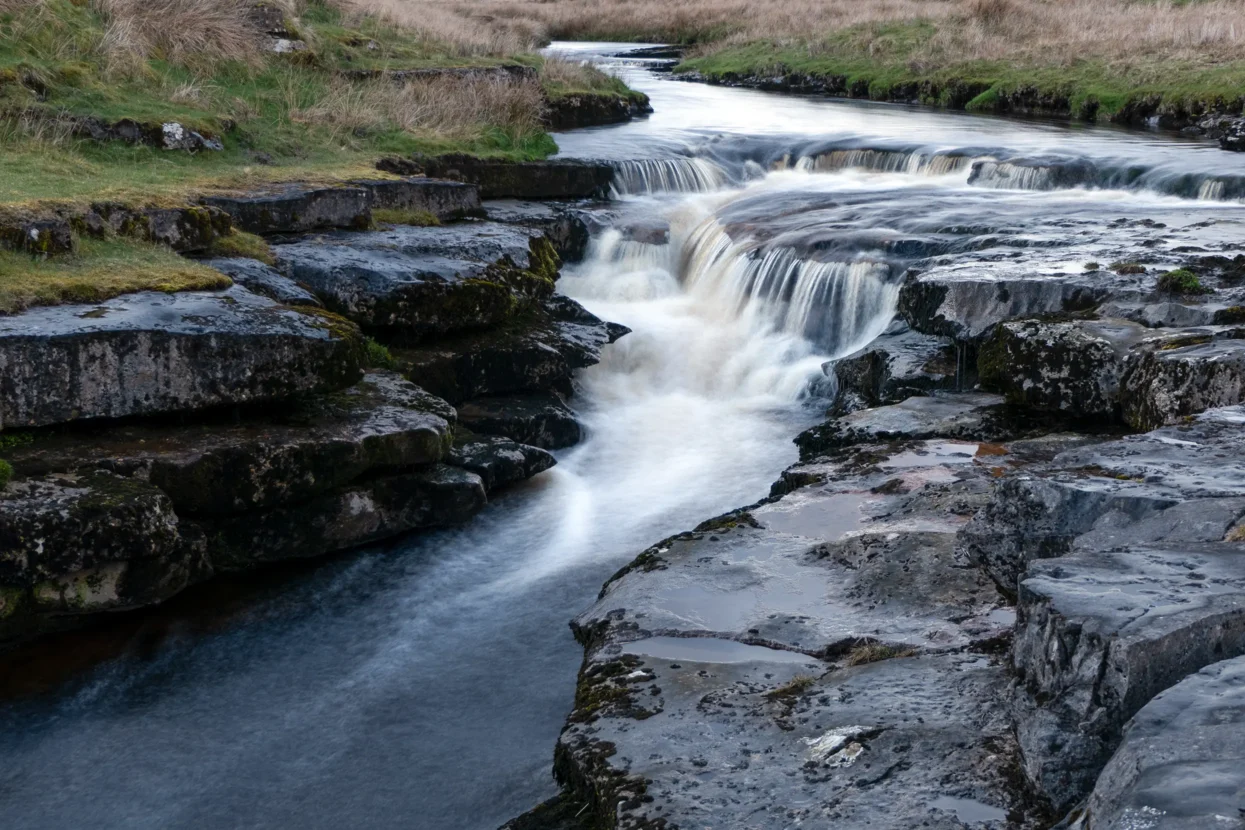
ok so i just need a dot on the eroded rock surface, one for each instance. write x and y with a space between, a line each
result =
149 353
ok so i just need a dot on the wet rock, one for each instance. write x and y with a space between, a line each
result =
165 135
410 283
298 208
1101 633
184 229
1183 375
383 423
1180 484
966 303
539 352
1069 367
443 199
1232 136
148 353
38 236
356 515
898 365
558 179
968 415
498 461
265 280
569 112
565 227
1180 763
538 418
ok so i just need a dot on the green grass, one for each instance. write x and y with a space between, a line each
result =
52 69
1181 281
100 269
242 244
883 58
6 473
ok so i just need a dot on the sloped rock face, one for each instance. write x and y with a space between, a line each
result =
1169 381
541 419
148 353
1180 764
265 280
898 365
570 112
498 461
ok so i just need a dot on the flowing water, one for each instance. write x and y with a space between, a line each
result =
423 684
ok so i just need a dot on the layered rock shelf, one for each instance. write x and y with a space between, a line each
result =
159 439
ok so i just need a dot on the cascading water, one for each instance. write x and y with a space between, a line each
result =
423 685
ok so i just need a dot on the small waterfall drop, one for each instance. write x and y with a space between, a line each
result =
918 163
673 175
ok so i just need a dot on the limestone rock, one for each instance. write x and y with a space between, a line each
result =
537 418
265 280
898 365
556 179
148 353
498 461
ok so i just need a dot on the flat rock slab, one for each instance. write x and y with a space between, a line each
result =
967 415
298 208
566 227
377 509
443 199
862 556
537 418
148 353
1181 764
713 733
382 423
1101 633
410 283
265 280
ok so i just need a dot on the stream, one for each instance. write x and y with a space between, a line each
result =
756 236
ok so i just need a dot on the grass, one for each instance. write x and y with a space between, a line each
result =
1181 281
1128 268
563 78
1098 56
400 216
280 117
792 689
100 269
6 473
875 652
242 244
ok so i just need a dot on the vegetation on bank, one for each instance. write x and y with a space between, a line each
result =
319 109
1091 58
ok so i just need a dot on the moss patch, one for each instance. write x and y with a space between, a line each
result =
6 473
100 270
1181 281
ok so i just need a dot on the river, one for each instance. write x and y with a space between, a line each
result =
422 684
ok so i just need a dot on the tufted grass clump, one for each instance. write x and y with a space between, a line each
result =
242 244
377 356
1092 266
875 652
1181 281
792 689
1128 268
6 473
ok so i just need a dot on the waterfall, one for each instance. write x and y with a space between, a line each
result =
675 175
839 306
918 163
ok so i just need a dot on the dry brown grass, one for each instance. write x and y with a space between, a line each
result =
440 108
180 31
1050 30
467 35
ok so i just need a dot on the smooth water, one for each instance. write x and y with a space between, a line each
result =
423 684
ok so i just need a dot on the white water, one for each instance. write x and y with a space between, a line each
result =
423 684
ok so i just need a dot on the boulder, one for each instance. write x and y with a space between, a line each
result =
148 353
411 283
497 179
537 418
1180 764
383 423
1177 485
297 208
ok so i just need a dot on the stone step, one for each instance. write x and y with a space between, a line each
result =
556 179
151 353
537 418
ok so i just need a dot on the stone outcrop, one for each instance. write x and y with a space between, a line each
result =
149 353
541 419
569 112
897 365
557 179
